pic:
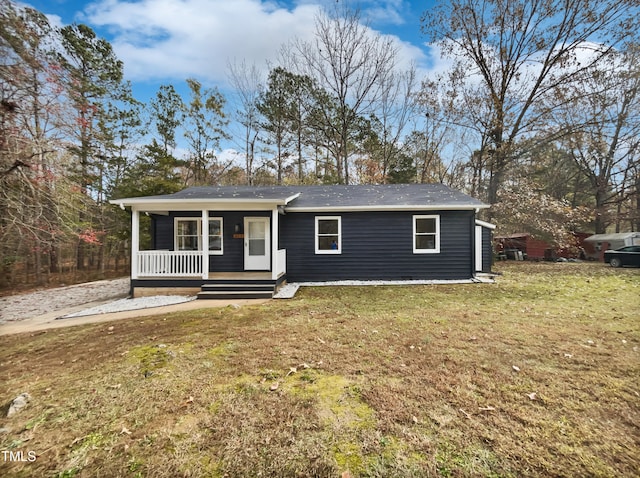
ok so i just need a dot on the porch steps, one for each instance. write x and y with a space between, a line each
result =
237 290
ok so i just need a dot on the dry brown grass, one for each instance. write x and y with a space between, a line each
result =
378 381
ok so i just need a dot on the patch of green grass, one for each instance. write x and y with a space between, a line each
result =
223 350
152 357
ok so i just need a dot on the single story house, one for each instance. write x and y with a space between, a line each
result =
242 241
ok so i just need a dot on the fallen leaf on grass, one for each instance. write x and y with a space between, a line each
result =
292 370
532 396
274 387
516 368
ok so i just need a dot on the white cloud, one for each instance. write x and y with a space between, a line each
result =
387 12
175 39
384 12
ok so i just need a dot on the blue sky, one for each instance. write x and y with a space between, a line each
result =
167 41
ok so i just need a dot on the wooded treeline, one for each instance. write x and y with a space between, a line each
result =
538 114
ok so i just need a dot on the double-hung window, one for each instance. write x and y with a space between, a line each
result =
328 235
188 234
426 234
215 235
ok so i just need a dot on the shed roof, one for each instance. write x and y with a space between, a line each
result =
322 198
515 235
617 236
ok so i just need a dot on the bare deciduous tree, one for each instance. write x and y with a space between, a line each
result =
519 52
248 83
352 63
602 114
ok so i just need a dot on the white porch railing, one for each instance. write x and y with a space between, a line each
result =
281 262
169 264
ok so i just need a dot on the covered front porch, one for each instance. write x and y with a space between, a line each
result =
194 242
187 244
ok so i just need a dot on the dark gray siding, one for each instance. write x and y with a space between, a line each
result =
379 245
232 259
487 249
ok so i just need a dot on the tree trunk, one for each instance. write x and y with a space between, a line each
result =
600 222
637 211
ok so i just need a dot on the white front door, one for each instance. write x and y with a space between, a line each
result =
257 244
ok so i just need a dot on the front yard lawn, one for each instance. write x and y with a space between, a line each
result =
536 375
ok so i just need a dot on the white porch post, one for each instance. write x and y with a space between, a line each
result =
205 244
275 237
135 241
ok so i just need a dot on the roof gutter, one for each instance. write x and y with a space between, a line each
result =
149 202
415 207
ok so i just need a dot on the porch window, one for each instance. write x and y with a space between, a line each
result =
426 234
215 235
187 234
328 235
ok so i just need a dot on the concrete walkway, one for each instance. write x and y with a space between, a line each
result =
51 320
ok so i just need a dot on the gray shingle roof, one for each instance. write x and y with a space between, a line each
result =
334 197
383 195
231 192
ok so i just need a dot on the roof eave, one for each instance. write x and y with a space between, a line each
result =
488 225
176 202
410 207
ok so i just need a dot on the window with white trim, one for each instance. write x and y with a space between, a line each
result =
187 234
215 235
328 235
426 234
188 231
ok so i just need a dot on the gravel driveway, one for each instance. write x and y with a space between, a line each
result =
34 304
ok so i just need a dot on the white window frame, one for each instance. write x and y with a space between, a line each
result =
221 251
317 235
198 220
436 250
